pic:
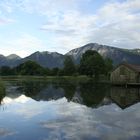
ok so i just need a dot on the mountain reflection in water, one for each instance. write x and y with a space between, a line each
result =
39 110
89 94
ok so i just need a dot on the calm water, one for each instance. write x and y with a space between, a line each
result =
35 110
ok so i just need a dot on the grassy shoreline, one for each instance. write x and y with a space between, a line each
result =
80 79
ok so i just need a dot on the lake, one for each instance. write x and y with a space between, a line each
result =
62 110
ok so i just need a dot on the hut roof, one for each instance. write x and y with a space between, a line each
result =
136 68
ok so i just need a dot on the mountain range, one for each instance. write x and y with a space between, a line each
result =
54 59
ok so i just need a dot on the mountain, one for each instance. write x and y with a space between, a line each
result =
10 60
13 56
2 59
46 59
118 55
135 51
54 59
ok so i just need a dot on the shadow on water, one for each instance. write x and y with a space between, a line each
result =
2 92
86 93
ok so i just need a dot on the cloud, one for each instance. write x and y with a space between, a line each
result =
115 24
69 24
4 21
5 132
118 24
71 30
46 7
23 45
27 41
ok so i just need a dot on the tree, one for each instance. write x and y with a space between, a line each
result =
108 66
91 64
5 70
47 71
60 72
69 66
54 71
30 68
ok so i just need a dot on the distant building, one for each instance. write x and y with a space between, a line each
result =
125 73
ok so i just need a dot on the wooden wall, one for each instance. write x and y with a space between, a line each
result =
123 74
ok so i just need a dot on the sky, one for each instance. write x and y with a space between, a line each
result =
27 26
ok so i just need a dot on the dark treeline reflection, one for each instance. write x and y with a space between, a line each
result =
2 91
93 94
87 93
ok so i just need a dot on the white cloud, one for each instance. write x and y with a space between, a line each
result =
22 45
27 41
114 24
119 24
4 21
71 31
45 7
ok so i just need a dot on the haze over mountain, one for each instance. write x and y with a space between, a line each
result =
54 59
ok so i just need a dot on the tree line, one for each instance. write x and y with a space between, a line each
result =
91 64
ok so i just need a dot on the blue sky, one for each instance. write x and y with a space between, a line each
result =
27 26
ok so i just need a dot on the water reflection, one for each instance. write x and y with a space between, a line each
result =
87 93
2 92
93 95
125 97
38 110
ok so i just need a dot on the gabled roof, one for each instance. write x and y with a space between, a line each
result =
133 67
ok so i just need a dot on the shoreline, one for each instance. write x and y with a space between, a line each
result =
81 79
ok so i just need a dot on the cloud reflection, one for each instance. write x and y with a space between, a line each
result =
21 99
79 122
5 132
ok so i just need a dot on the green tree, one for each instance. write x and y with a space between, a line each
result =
91 64
54 71
5 70
30 68
108 65
47 71
60 72
69 66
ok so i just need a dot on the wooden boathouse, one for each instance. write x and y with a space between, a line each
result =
126 74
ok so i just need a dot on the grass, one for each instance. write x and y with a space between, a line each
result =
75 79
47 78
